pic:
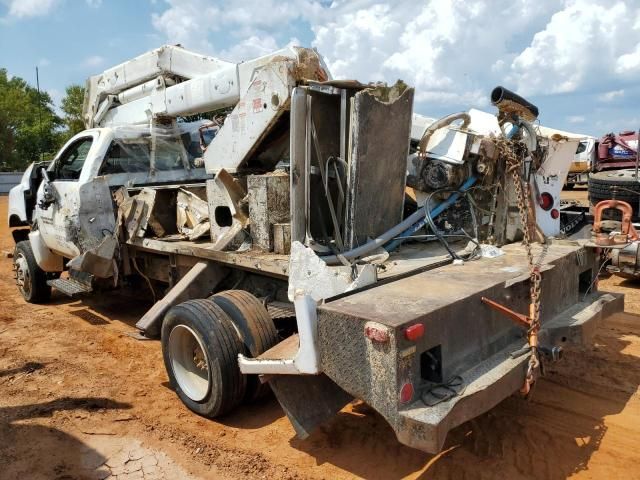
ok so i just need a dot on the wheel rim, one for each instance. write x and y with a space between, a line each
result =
189 362
23 276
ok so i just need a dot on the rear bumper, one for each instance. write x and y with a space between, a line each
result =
498 377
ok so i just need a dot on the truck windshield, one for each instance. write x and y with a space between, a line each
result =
582 146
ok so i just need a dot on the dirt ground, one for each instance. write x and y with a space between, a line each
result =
80 398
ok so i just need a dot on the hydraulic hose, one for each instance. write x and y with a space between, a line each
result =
422 219
406 228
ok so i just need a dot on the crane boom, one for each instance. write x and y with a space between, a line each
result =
171 82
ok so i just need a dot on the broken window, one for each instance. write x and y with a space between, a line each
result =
69 164
142 149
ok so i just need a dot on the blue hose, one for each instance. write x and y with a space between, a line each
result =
441 207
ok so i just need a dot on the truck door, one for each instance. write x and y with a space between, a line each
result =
59 218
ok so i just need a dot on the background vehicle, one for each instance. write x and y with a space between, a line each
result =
584 157
615 174
289 249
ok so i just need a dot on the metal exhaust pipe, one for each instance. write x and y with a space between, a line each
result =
512 103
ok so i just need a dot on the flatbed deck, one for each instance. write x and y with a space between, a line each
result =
408 258
464 341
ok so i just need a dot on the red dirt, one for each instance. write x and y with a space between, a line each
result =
70 375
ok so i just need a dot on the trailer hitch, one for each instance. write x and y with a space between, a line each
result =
525 321
519 318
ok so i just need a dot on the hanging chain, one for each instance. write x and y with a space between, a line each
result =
514 165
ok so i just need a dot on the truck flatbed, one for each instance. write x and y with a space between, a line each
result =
466 348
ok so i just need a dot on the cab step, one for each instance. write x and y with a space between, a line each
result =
70 286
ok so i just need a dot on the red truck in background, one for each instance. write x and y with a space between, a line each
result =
617 151
615 169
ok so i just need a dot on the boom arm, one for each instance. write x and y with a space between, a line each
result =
171 82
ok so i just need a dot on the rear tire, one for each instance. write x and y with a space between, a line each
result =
257 331
616 185
31 280
200 347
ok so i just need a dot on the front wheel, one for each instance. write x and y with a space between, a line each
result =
31 280
200 347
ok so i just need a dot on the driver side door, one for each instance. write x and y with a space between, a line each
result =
58 221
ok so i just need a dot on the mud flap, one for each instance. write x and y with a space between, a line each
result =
308 400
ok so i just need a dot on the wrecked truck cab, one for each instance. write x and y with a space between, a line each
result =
72 206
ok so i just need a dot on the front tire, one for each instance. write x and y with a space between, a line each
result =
200 347
31 280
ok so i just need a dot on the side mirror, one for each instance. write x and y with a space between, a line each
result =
48 192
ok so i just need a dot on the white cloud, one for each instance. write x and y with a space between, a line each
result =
93 61
629 63
453 51
29 8
583 44
252 26
610 96
576 119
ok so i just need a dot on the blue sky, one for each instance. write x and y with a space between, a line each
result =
578 60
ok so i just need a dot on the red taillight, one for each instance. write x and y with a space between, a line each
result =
546 201
555 213
414 332
406 393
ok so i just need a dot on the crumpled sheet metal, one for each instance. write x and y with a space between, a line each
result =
99 261
192 215
309 275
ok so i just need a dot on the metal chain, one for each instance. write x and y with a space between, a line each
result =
514 162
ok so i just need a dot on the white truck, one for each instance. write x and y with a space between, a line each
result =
584 158
304 240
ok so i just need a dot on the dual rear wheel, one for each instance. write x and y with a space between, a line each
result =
201 340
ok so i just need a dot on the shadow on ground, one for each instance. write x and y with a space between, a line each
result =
32 451
552 436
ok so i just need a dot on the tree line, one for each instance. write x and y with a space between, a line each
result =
30 127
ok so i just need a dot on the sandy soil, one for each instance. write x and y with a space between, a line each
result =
80 398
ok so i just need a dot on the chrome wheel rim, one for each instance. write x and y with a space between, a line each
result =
22 274
189 362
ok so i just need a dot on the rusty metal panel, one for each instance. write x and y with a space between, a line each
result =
378 150
282 238
268 205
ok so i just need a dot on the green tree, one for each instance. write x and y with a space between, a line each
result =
29 127
72 108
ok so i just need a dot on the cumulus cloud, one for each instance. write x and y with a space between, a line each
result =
251 27
29 8
629 63
582 45
452 51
